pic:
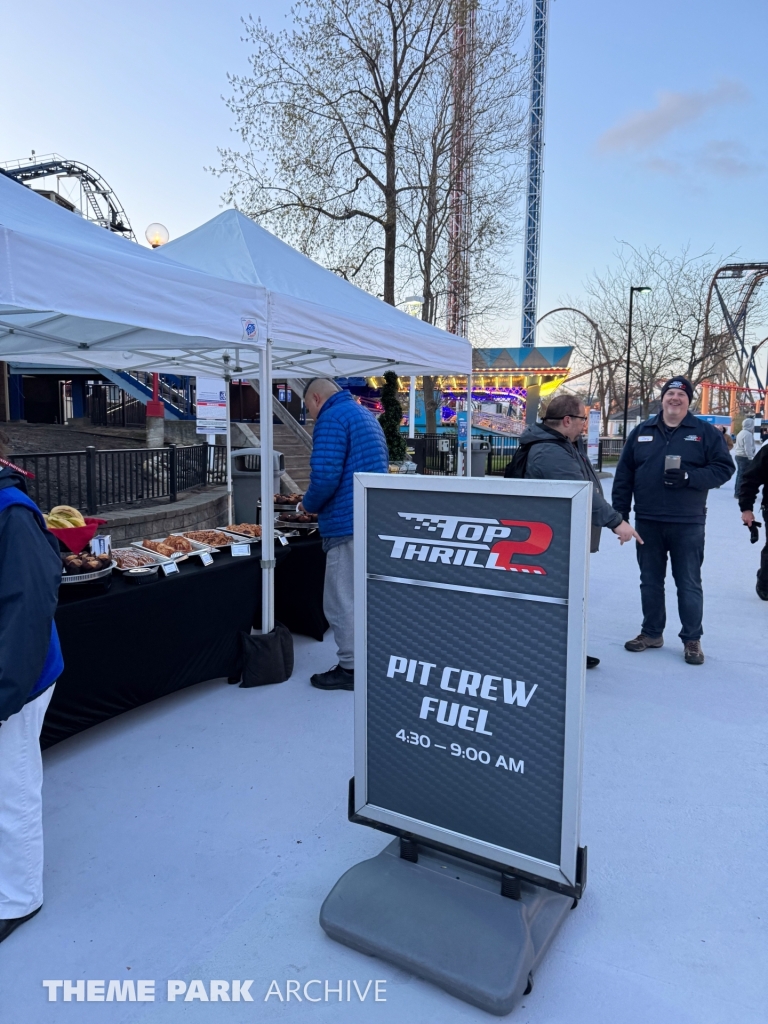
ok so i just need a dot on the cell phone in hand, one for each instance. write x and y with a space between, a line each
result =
671 462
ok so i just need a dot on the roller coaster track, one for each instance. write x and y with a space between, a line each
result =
734 314
98 202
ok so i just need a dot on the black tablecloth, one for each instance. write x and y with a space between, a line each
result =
134 643
299 588
130 644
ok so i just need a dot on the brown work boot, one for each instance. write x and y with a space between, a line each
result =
693 653
642 641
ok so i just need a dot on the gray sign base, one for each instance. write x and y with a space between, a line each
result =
445 920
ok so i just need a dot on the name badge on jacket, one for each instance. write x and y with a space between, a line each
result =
645 437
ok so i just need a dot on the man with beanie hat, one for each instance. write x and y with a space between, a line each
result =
670 510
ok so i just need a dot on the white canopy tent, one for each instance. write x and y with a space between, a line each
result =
226 299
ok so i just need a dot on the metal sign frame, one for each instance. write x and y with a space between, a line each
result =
567 873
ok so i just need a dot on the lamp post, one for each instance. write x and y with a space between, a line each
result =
413 304
641 290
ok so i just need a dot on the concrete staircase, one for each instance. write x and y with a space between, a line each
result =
295 452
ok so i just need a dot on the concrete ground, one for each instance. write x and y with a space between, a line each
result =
197 837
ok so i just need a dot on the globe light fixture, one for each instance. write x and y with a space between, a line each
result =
156 235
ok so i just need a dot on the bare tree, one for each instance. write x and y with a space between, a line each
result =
327 102
667 325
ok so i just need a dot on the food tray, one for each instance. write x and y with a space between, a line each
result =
158 558
177 556
198 545
292 525
241 538
88 577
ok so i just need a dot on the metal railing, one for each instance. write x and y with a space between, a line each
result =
107 405
94 480
437 454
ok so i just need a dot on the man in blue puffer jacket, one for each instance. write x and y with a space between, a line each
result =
30 661
347 440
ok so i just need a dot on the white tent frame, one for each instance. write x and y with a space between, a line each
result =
74 295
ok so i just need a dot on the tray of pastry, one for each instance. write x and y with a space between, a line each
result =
210 540
243 531
133 558
173 547
85 568
297 520
284 502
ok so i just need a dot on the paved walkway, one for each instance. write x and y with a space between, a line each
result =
197 837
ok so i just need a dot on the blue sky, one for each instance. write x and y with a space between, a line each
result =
654 126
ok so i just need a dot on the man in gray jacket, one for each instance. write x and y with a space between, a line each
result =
555 452
743 451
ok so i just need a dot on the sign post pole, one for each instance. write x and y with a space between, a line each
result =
468 727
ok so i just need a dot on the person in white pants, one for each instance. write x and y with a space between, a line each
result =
30 662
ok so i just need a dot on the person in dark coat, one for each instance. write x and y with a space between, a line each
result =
670 511
555 452
753 478
347 439
30 662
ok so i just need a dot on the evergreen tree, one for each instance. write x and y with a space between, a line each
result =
391 418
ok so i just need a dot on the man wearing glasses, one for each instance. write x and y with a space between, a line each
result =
552 452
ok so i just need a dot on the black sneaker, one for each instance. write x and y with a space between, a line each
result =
760 589
336 678
592 662
11 924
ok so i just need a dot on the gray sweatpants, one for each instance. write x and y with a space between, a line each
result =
339 600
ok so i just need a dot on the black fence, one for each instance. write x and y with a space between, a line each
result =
438 454
94 480
107 405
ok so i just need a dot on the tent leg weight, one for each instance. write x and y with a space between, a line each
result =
409 850
510 886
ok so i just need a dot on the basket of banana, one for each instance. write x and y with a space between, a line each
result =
72 529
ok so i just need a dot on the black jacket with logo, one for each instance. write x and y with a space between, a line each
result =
704 456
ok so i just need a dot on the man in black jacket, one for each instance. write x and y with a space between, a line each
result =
554 452
670 510
30 661
753 478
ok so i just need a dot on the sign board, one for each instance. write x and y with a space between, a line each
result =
593 436
211 402
469 664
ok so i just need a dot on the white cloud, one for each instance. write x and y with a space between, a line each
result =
673 110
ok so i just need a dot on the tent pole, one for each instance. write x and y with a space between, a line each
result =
412 409
267 492
230 518
468 462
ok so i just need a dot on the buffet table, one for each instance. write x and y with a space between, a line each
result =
299 584
133 643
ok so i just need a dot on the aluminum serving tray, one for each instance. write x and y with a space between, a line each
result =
178 556
155 555
295 526
87 577
245 537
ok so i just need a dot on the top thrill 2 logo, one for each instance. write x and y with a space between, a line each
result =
473 542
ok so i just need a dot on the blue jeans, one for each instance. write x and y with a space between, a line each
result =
684 542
